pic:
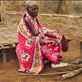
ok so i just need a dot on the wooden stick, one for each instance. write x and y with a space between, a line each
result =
54 15
60 15
72 73
7 45
46 74
4 56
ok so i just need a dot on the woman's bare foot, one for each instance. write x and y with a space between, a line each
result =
21 69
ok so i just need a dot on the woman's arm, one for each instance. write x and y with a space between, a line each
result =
44 42
50 35
48 42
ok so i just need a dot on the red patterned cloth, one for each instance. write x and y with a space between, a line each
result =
30 52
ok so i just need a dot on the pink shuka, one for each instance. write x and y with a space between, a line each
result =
30 52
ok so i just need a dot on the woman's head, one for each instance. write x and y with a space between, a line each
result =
32 8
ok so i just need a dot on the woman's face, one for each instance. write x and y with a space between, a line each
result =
33 10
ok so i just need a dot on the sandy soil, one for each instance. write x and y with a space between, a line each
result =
9 73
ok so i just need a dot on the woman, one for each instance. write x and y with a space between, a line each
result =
36 42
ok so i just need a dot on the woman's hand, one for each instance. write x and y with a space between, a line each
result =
48 42
53 43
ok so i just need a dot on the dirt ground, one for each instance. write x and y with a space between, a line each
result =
9 73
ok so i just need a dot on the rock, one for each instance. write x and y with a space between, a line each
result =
77 61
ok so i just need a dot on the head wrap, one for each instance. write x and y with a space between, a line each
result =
30 3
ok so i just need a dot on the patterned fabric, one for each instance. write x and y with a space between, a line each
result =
30 52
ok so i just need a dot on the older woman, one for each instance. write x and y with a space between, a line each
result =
36 42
